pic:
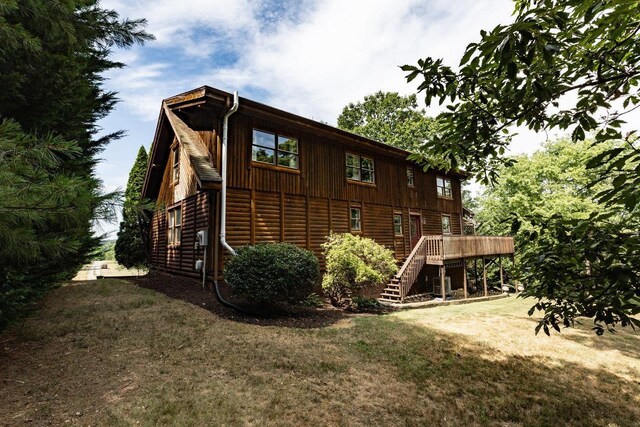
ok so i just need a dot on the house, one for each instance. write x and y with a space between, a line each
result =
242 173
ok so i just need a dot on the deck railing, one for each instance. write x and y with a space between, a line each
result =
437 249
454 247
411 268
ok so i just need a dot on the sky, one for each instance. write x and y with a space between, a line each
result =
309 57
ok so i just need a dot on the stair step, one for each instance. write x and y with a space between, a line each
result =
391 291
390 296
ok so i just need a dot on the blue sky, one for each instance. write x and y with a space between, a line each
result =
310 57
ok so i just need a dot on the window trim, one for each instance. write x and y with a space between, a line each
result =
175 167
359 219
359 180
395 232
172 227
276 151
444 187
411 183
442 216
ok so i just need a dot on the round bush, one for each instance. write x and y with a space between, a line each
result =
271 272
354 263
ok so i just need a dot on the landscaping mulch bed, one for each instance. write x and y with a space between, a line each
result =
283 314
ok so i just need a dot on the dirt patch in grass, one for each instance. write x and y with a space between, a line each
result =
282 314
111 353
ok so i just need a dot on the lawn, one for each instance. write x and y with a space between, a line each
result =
111 353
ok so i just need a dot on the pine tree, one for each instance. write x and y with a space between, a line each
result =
52 57
131 244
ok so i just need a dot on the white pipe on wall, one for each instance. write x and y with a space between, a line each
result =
223 172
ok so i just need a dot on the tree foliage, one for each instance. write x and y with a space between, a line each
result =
390 118
354 263
131 245
52 56
554 180
569 65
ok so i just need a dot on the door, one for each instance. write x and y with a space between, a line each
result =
415 229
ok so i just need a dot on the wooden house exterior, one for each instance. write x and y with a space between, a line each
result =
291 179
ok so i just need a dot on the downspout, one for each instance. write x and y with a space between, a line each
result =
223 172
223 201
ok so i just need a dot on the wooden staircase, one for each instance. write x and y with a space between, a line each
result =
398 288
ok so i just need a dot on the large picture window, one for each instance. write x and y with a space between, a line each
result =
174 233
356 219
360 168
444 187
274 149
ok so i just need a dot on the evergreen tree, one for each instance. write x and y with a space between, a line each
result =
52 57
131 244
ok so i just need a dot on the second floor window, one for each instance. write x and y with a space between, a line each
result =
410 181
360 168
444 187
274 149
174 233
176 163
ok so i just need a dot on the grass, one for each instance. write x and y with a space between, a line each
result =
110 353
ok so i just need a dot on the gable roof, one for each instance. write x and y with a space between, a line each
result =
195 149
170 125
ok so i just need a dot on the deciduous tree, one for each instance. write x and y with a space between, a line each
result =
568 65
390 118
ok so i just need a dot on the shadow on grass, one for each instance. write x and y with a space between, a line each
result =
468 384
284 315
627 340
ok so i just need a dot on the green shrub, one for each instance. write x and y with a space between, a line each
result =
271 272
354 263
360 303
312 300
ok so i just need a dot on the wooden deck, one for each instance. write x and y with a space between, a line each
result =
445 251
442 248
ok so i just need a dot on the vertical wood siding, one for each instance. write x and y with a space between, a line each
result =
180 258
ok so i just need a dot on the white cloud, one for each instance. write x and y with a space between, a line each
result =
310 59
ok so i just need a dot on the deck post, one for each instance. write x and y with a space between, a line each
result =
501 276
475 272
464 277
442 282
484 277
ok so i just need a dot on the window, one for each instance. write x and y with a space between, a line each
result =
174 234
356 219
446 224
360 168
274 149
444 187
176 163
397 224
410 182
